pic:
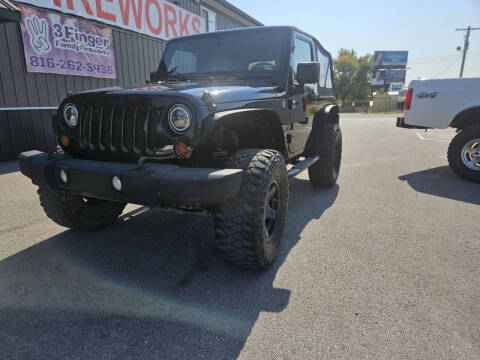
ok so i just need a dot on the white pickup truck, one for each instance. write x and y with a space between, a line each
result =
443 103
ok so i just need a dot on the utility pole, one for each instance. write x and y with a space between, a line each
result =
465 46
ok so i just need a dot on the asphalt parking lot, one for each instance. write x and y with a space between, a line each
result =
385 265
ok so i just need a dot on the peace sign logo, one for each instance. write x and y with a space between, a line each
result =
38 30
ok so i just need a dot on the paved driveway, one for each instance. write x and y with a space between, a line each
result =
385 265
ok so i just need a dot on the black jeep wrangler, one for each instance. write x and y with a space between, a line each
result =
222 124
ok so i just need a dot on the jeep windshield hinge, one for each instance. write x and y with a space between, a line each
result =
208 98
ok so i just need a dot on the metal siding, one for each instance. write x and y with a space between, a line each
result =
189 5
143 61
6 146
41 83
2 80
131 59
25 130
224 21
136 56
8 86
124 69
18 139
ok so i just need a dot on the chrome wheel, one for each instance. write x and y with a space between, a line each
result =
471 154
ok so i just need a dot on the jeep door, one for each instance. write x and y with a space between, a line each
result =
299 95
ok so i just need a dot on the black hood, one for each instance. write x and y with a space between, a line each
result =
222 92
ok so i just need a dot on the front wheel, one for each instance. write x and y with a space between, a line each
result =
250 227
464 153
78 212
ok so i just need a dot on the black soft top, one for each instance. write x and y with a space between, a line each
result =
255 29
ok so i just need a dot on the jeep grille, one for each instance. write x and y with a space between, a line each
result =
126 129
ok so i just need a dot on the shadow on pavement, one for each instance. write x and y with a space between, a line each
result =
442 181
148 287
8 167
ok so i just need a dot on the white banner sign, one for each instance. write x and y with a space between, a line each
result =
157 18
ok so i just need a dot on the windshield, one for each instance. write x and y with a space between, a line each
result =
257 55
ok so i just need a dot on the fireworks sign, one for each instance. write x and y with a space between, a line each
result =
60 44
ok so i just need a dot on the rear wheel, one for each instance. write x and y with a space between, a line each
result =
78 212
328 146
250 227
464 153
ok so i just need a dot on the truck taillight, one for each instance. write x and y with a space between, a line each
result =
408 99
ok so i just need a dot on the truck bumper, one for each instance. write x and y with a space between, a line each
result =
151 184
401 124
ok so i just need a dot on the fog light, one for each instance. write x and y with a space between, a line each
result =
117 184
63 176
181 149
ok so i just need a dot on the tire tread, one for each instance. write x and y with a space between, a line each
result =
236 230
454 151
68 210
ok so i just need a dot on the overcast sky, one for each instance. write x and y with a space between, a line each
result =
426 28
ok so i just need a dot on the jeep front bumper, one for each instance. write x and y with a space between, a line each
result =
151 184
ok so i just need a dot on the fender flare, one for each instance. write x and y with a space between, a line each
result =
213 120
327 114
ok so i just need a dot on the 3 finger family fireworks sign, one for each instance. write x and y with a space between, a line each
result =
60 44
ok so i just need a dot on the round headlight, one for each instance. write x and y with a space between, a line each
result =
179 118
70 114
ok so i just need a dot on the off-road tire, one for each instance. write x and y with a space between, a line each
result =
455 153
328 146
77 212
240 223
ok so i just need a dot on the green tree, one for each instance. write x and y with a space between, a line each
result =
352 75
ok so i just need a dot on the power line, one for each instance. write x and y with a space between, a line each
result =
473 15
447 68
438 59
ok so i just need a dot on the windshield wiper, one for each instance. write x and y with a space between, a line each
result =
172 75
263 76
176 76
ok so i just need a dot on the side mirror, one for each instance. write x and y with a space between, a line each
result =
308 72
